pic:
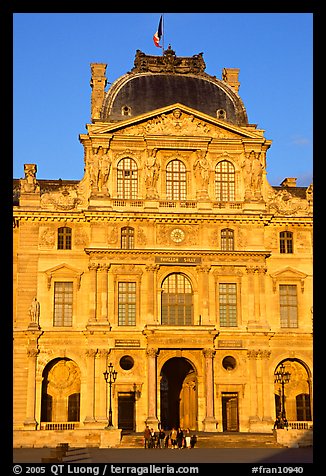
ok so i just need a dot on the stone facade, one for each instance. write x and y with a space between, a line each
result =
175 260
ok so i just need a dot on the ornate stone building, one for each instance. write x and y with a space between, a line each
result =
173 258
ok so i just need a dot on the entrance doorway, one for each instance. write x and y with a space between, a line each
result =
178 394
126 411
230 411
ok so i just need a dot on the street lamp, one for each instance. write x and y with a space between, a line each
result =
110 376
282 378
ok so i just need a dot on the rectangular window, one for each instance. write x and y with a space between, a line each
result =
288 305
126 304
63 292
228 304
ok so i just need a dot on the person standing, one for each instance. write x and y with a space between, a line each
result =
161 436
187 438
147 437
173 437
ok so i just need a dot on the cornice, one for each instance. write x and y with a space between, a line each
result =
133 253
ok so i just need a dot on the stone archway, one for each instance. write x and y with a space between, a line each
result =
178 394
61 391
297 391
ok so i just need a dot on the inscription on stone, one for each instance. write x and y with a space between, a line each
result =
229 344
127 343
177 259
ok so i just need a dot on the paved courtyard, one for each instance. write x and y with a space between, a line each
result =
196 455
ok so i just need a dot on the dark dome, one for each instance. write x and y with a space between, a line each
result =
156 82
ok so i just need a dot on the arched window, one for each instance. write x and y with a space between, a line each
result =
177 297
176 180
227 239
286 242
127 179
127 238
224 181
64 238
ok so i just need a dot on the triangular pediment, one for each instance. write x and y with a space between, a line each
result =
63 271
175 120
288 275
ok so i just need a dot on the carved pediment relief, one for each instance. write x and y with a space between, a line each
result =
176 120
283 202
65 199
177 123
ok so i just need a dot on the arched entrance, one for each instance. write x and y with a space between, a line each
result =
61 391
297 391
178 394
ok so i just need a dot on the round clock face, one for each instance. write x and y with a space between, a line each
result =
177 235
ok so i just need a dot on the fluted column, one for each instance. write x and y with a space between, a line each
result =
92 291
256 297
209 421
267 388
101 386
151 293
152 392
203 272
102 293
30 420
253 399
90 393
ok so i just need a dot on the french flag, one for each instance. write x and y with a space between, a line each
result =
158 35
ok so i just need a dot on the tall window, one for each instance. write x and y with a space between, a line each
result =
288 305
127 238
227 239
127 179
63 292
64 238
303 407
286 242
176 180
228 304
225 181
126 304
177 296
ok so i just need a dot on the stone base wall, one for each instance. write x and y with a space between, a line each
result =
294 438
79 438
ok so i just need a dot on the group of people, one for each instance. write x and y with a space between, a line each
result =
280 423
176 438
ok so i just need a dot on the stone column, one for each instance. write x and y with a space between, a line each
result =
151 293
253 398
92 292
209 421
30 420
262 277
102 293
267 389
250 297
101 413
90 394
151 371
203 271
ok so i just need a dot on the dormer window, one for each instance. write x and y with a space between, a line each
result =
221 114
126 111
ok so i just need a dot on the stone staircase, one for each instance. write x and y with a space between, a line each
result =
213 440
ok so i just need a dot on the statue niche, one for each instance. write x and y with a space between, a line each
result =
252 176
99 167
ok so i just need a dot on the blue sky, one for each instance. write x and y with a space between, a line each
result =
52 53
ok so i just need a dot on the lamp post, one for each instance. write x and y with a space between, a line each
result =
110 376
282 378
